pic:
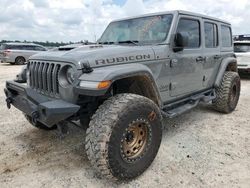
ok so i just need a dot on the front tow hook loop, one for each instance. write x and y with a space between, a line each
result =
34 117
8 101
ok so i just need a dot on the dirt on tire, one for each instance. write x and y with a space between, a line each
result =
223 102
108 127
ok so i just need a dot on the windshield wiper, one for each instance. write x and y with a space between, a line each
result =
135 42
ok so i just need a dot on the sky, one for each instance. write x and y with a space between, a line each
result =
76 20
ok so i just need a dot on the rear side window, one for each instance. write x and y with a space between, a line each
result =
226 35
211 35
191 29
14 47
29 47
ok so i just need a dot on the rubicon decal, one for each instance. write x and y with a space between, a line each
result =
122 59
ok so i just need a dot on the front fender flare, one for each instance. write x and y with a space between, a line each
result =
114 73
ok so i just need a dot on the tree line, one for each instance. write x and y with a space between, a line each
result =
47 43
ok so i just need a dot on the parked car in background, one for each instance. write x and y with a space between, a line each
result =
242 51
18 53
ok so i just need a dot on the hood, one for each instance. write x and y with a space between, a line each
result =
99 55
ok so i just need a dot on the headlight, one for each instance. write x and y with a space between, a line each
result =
67 76
70 75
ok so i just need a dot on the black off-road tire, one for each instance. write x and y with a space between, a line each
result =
106 133
85 122
227 94
20 61
39 125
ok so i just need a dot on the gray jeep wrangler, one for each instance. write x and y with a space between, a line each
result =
142 69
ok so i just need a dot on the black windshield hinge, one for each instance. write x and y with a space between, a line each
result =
86 68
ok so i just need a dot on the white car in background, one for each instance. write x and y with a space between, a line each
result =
242 51
18 53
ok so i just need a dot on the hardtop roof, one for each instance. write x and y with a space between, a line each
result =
177 12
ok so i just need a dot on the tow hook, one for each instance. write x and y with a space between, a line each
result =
8 101
34 117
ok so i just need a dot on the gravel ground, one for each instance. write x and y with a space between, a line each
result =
200 148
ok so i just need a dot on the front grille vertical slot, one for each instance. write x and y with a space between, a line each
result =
49 77
44 76
40 76
36 75
54 78
57 78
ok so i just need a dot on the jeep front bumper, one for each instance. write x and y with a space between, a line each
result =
39 107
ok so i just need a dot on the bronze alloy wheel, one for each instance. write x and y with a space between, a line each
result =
135 140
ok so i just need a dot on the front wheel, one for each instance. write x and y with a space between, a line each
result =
227 94
124 136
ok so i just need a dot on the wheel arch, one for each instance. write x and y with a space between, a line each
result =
140 84
227 64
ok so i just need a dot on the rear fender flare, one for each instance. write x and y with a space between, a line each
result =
223 67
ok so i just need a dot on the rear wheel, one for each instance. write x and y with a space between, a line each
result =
39 125
227 94
20 61
124 136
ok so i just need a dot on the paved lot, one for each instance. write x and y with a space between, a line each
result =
201 148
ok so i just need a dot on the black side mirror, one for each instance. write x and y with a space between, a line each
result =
180 41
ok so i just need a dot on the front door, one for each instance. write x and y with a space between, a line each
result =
186 65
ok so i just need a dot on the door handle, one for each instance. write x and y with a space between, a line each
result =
217 57
200 58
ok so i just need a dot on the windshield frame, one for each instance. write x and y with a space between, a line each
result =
140 42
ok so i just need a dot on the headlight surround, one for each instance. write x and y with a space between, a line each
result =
67 76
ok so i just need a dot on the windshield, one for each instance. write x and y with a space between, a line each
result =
152 29
242 47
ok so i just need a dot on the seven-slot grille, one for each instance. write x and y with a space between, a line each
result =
43 76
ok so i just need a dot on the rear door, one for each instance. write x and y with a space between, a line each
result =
211 52
186 65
